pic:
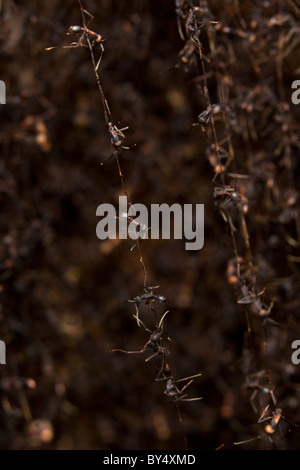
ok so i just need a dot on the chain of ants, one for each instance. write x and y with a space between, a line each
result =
176 393
193 22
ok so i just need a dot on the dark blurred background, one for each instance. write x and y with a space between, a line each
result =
63 290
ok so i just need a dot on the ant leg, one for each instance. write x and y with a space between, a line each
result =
138 319
273 397
120 132
190 399
71 46
151 357
80 43
252 401
180 29
153 310
185 387
187 378
247 440
85 12
98 63
177 399
263 417
107 113
162 319
114 154
137 316
128 352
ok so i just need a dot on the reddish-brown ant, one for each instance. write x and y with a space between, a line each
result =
270 428
90 36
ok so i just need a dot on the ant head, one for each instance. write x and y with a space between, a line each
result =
75 29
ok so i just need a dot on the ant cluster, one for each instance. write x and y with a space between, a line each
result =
250 137
206 88
94 42
155 345
249 131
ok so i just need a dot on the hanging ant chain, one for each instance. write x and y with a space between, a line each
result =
116 135
154 345
231 198
94 41
91 39
195 22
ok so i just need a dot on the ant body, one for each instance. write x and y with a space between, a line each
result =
176 394
149 297
92 38
153 343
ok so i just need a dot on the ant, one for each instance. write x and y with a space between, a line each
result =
154 342
155 339
116 135
257 382
270 428
187 53
249 297
90 36
229 197
176 395
258 307
197 18
230 194
149 298
227 200
274 417
204 118
137 229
